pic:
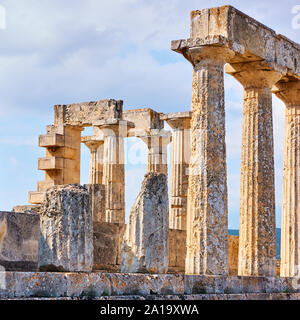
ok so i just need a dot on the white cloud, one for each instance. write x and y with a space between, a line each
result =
77 50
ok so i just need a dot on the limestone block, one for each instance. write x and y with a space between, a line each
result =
107 245
85 113
144 119
250 38
233 254
87 284
19 238
142 284
40 284
97 192
145 243
27 209
66 242
177 251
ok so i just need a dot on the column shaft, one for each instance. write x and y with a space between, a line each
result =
289 93
257 245
113 178
207 224
179 179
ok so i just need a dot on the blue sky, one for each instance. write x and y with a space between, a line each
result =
55 52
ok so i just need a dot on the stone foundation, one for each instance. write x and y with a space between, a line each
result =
96 285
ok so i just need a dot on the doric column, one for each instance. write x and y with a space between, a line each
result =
94 176
257 241
207 225
114 131
157 142
289 93
180 123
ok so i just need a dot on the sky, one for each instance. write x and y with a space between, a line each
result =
60 52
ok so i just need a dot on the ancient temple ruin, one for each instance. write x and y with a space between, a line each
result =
177 240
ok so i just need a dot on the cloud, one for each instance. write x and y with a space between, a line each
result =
68 51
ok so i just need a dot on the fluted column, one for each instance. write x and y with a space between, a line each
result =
93 145
180 123
157 142
257 242
114 132
207 225
289 93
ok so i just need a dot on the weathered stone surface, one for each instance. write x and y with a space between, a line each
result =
66 242
40 284
62 161
96 165
97 192
107 245
177 251
144 119
114 131
90 285
233 254
181 137
85 113
142 284
118 285
19 238
145 244
251 40
289 93
27 209
257 254
207 223
157 142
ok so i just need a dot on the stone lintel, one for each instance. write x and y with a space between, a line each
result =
249 38
85 113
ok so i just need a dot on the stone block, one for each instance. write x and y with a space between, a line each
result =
107 245
19 241
66 242
177 251
87 285
144 119
233 254
40 284
85 113
97 192
145 243
142 284
7 284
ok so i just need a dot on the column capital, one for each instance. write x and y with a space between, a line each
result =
91 142
114 126
288 92
163 136
178 120
202 50
257 74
